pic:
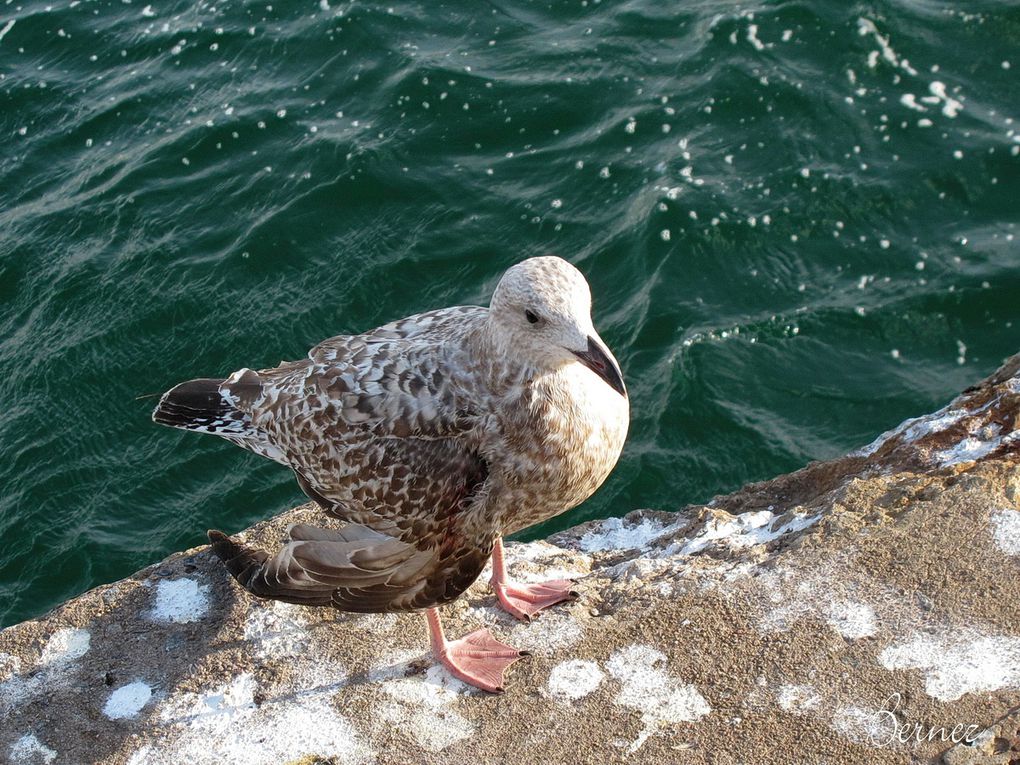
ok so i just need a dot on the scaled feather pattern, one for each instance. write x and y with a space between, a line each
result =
431 437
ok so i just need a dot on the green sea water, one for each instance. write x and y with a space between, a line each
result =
798 220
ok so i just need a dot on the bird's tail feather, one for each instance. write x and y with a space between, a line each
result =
200 405
210 405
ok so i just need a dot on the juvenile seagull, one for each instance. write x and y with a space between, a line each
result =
432 437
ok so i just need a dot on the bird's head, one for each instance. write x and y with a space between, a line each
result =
541 311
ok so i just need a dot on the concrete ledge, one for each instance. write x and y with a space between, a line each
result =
853 611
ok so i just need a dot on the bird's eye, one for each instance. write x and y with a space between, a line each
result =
531 316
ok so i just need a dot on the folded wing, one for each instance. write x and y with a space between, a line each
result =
353 568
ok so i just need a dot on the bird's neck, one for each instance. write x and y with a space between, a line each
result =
499 358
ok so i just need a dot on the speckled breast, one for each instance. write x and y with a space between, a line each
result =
574 432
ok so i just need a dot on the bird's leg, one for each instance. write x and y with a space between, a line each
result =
478 658
525 600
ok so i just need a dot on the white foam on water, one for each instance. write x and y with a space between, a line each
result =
574 679
180 601
950 106
909 100
958 662
752 37
127 701
1006 530
866 27
648 687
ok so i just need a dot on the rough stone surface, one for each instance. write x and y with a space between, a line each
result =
818 617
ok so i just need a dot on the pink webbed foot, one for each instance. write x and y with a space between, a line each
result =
479 659
525 600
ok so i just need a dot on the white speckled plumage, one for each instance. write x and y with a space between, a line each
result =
431 437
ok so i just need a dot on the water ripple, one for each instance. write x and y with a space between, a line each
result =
798 220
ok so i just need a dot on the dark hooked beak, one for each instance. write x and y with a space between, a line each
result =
598 361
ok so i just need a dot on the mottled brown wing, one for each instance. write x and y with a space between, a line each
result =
406 487
378 427
403 379
353 569
431 323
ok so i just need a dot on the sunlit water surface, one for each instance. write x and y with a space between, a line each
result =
798 220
